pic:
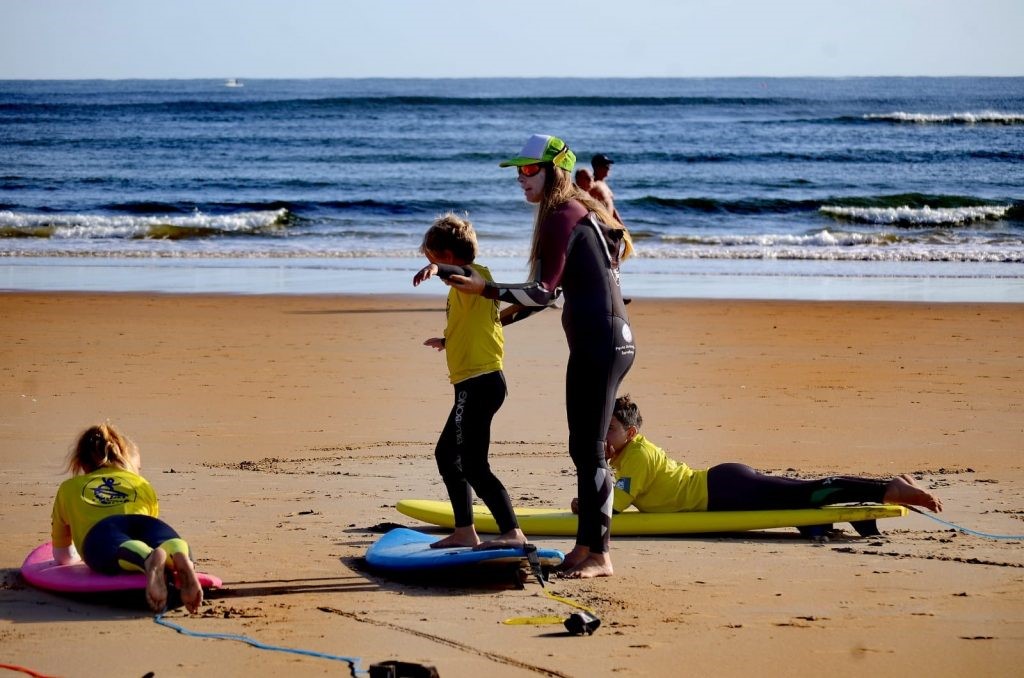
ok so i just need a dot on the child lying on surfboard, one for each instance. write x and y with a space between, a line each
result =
652 482
108 512
474 344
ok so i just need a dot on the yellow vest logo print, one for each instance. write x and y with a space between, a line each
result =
107 492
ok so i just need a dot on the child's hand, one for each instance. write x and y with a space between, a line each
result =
435 342
575 505
424 273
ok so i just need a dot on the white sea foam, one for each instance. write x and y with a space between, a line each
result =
823 238
924 254
988 117
826 245
89 226
916 215
812 248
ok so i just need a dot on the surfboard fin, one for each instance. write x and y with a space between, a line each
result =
534 561
866 528
817 533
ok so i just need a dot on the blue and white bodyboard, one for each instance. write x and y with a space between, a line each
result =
407 550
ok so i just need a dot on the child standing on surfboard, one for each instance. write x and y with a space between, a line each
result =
473 343
108 512
652 482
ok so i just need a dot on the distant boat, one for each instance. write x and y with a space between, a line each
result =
234 82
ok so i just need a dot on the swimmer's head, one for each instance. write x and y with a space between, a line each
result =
584 179
103 445
602 165
453 234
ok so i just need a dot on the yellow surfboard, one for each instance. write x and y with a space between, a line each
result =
553 522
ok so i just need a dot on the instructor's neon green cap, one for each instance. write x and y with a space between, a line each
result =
543 148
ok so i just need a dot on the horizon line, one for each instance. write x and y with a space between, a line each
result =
510 77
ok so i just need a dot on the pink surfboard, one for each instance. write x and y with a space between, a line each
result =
42 571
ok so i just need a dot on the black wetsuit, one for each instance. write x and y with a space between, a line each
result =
580 256
737 487
461 451
110 541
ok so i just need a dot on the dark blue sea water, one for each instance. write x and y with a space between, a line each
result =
862 177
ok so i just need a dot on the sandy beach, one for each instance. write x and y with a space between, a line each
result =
280 431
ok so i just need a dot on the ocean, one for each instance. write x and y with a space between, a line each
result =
851 188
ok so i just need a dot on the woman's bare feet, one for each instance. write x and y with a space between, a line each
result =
595 565
462 536
188 582
574 558
905 490
156 580
510 540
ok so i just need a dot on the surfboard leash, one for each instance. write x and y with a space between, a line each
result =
570 603
353 662
538 572
584 621
24 669
577 623
967 530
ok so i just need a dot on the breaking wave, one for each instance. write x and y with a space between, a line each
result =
177 227
982 117
917 216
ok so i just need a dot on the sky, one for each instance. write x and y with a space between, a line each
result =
44 39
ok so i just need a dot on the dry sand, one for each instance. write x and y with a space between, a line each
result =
280 432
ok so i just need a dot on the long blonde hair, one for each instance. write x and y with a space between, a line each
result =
102 445
558 190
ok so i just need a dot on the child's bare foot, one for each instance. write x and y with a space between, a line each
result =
595 565
462 536
510 540
156 580
188 582
574 558
905 490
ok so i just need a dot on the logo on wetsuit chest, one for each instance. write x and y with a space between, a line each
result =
627 347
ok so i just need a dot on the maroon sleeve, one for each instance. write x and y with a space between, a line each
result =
554 240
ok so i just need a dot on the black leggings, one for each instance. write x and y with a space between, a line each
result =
737 487
592 382
461 451
123 542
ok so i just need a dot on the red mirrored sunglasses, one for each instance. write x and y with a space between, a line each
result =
529 170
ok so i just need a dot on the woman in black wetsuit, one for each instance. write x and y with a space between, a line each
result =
576 251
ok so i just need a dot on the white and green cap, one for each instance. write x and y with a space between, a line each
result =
543 148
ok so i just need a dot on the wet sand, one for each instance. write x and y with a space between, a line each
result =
280 431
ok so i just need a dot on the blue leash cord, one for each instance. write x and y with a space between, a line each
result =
1015 537
353 662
